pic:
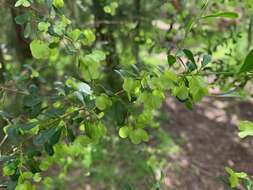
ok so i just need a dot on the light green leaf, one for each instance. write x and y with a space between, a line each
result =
58 3
235 176
138 135
83 140
130 86
152 100
9 169
103 102
91 63
125 131
181 92
95 131
24 3
231 15
88 37
246 129
197 88
39 49
43 26
75 34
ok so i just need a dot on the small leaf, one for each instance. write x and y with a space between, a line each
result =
246 129
39 49
206 59
9 169
43 26
181 92
124 132
24 3
222 15
171 59
191 64
235 176
75 34
95 131
88 37
130 86
58 3
103 102
138 135
189 55
84 88
248 63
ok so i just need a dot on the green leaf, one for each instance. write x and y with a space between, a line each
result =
75 34
138 135
24 3
103 102
31 100
152 100
125 131
43 26
181 92
171 59
9 169
191 64
39 49
95 131
206 59
28 30
231 15
51 135
130 86
246 129
235 176
189 55
88 37
84 88
49 149
83 140
248 63
91 63
58 3
37 177
22 19
197 88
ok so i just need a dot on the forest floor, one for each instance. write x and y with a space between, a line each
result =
210 142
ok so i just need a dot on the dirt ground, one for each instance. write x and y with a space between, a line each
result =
210 143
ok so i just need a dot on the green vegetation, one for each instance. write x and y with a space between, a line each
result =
81 83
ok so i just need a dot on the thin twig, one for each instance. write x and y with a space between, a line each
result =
3 140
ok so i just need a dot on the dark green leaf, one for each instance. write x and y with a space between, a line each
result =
206 59
248 63
22 19
171 59
189 55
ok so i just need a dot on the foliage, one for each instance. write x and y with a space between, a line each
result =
82 73
237 178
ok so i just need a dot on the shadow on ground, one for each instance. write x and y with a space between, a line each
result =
210 140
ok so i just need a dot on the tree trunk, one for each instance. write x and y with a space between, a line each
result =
20 44
109 44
